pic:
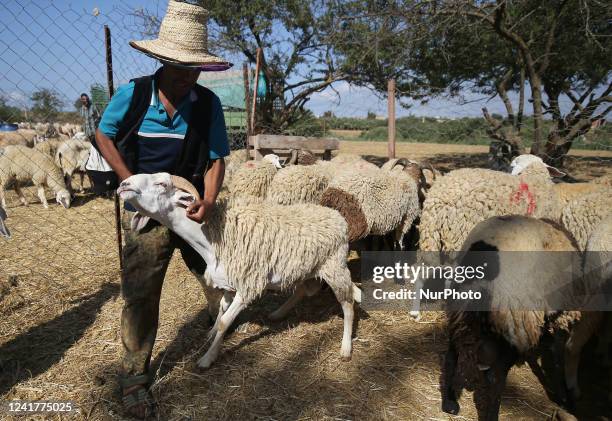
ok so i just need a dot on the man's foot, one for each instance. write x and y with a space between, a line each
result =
135 396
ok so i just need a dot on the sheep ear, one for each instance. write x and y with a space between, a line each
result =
183 199
138 222
555 172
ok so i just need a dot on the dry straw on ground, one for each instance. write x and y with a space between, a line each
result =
59 336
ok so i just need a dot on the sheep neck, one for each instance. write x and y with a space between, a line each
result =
191 232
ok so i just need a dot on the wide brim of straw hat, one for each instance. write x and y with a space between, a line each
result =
183 37
158 50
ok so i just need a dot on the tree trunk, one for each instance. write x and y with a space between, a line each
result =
556 149
538 115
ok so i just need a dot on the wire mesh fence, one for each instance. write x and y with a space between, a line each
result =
60 266
52 52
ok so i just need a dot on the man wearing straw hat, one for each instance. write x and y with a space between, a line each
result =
162 123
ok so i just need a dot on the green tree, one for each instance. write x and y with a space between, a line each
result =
553 48
296 40
46 104
8 113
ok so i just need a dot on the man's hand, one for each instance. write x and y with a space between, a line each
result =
200 210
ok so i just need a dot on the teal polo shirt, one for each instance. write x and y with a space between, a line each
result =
160 137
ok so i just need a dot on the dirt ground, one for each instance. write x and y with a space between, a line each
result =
59 332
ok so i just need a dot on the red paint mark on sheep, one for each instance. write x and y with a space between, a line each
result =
523 192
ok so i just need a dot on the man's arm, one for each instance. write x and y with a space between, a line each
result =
213 180
111 155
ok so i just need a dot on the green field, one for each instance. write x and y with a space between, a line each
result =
470 131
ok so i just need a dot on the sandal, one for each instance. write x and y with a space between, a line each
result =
136 397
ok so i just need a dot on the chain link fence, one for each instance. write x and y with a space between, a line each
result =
51 53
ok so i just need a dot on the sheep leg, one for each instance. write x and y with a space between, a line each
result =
224 304
487 397
225 322
42 197
2 198
68 181
415 313
449 394
22 198
348 311
82 184
307 288
579 336
337 275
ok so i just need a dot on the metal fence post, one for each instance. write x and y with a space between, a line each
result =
391 117
111 91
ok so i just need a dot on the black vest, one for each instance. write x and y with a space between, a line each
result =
194 158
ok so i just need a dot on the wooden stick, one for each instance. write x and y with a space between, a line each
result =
391 118
247 97
255 86
111 91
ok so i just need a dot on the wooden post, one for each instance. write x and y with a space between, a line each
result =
247 101
109 61
255 86
111 91
391 117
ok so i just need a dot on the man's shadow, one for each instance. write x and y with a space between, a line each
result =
33 352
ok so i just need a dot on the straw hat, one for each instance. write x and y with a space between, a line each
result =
183 37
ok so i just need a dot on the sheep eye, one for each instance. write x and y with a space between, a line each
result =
161 183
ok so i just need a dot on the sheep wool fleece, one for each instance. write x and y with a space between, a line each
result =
463 198
293 242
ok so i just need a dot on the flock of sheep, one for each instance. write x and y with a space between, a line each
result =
45 155
287 227
280 227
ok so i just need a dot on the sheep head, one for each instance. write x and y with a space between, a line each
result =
273 159
155 196
63 198
522 162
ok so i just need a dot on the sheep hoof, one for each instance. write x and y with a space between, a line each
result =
416 315
206 361
345 355
450 406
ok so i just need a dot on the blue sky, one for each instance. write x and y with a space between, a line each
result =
60 45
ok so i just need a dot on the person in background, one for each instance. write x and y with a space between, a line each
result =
91 116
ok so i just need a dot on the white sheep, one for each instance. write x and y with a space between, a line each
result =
253 178
373 201
25 137
48 146
71 157
297 184
22 164
461 199
4 231
250 247
423 174
566 192
232 162
581 215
